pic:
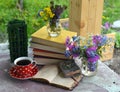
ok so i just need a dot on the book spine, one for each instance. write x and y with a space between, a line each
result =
48 43
39 56
49 55
44 47
46 51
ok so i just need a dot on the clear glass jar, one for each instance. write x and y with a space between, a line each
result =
78 61
89 68
55 30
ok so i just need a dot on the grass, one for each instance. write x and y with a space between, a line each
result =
111 13
111 10
9 11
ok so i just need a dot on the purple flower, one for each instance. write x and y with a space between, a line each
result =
72 49
71 46
93 59
99 40
91 52
67 53
67 42
107 25
92 66
103 41
96 40
57 10
75 51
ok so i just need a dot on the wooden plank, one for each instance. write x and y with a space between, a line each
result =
84 18
91 16
78 17
74 16
99 11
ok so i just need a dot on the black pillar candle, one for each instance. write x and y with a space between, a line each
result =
17 36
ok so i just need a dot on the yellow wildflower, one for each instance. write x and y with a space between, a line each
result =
103 17
47 13
51 15
41 13
47 9
106 18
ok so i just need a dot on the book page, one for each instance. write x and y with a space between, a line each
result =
48 73
64 82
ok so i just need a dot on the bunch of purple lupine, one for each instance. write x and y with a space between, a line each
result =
73 47
91 51
57 10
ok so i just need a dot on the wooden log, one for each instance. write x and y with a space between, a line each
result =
86 16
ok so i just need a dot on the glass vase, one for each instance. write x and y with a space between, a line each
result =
89 68
78 61
54 30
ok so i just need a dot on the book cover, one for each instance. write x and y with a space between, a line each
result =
69 68
41 36
51 75
47 61
45 47
43 60
48 54
46 51
39 56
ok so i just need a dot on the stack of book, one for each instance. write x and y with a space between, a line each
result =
49 50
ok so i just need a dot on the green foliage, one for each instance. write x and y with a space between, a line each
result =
108 31
9 11
117 42
111 10
111 13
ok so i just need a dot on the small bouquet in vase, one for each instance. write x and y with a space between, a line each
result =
88 51
52 14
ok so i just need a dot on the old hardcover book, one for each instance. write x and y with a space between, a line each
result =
69 68
41 36
45 47
51 74
43 60
48 53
